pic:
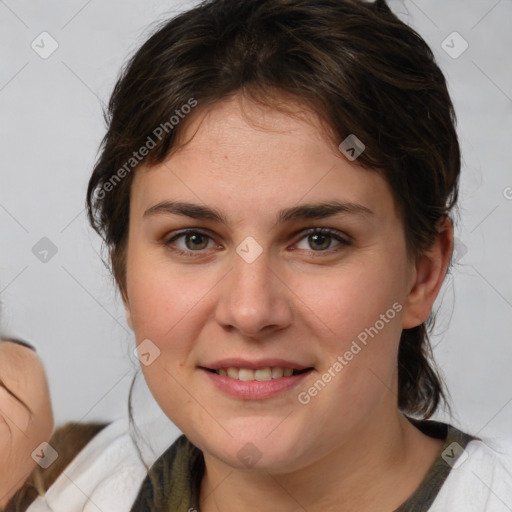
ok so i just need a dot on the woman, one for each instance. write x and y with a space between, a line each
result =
275 189
26 417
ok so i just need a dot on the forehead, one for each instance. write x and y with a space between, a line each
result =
240 123
240 155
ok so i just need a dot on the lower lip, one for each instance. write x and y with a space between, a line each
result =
254 389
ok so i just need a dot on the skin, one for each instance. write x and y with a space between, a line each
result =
299 300
26 416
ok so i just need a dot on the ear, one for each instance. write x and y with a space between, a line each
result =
427 276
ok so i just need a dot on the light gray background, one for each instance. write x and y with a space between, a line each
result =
51 126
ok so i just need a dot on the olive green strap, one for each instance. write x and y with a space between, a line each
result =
455 442
172 483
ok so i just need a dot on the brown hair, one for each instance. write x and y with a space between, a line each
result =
353 63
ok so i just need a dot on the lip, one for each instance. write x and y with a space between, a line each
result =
254 365
253 389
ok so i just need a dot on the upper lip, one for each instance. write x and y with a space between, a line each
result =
255 364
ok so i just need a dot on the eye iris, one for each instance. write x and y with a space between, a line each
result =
196 237
324 238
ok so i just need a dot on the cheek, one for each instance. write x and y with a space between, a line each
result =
159 294
166 308
346 301
162 312
356 314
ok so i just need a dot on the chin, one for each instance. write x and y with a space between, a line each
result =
261 452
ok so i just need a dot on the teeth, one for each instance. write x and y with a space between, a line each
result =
233 373
261 374
277 372
245 374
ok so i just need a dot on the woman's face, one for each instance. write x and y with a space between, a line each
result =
26 416
261 286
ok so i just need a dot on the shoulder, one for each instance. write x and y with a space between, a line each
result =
108 472
480 480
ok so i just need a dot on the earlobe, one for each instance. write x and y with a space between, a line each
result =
428 276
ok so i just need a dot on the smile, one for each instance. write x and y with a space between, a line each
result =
256 384
260 374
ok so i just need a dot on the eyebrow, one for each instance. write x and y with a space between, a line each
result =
309 211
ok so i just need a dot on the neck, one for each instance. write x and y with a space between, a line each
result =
360 474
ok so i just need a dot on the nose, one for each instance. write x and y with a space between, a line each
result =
254 299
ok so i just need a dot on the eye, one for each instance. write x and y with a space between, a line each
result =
193 240
320 240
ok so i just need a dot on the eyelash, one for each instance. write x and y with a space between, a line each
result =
312 231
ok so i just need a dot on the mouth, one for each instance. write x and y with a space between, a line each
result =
259 374
257 383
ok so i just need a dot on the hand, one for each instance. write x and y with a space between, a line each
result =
26 416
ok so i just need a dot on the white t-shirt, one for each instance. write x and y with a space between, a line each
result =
106 475
481 483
